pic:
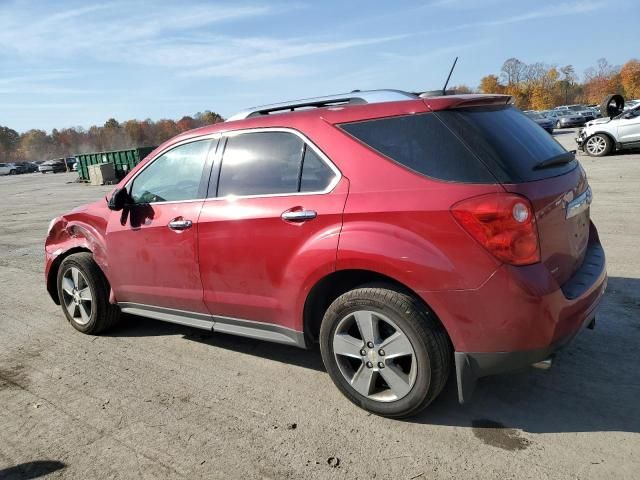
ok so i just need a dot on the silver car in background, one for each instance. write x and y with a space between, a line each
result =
565 118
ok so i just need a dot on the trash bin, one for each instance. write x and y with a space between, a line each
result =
122 160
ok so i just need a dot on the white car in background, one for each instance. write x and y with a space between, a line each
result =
631 104
605 135
8 169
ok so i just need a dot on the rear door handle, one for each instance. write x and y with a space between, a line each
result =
299 215
180 224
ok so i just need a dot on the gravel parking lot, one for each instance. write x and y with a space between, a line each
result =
156 400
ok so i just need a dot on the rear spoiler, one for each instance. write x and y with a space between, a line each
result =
462 101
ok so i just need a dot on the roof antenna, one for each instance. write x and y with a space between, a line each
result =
444 89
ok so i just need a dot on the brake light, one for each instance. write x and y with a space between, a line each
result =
504 224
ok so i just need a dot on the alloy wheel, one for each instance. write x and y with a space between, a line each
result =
374 356
596 145
77 296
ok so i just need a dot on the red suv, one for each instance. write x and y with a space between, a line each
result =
407 236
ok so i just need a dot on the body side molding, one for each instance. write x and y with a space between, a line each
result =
215 323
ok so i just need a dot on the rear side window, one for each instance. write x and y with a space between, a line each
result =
423 144
268 163
316 175
507 141
260 164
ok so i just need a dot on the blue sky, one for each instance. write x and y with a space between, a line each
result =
74 63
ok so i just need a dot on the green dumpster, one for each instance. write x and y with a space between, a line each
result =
123 160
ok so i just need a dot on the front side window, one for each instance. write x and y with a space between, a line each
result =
268 163
173 176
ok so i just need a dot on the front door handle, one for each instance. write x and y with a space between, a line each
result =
180 224
299 215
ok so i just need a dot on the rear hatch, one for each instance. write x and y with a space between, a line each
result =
528 161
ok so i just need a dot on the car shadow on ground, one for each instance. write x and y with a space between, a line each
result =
36 469
134 326
593 386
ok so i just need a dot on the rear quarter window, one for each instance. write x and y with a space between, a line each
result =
423 144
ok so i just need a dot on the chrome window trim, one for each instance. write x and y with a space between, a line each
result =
324 158
210 136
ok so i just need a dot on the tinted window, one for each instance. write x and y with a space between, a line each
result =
173 176
507 141
316 175
423 144
260 163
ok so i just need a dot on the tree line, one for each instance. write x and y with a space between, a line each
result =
36 144
538 86
535 86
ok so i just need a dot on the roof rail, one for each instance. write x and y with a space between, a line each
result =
354 98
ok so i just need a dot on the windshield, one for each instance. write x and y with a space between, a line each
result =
534 116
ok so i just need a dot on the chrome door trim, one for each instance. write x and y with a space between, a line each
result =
181 317
217 323
579 204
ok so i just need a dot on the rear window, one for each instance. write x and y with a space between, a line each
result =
508 142
472 145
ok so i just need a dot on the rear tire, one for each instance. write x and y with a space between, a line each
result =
598 145
83 291
12 172
396 382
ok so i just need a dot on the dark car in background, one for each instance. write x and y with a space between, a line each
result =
544 122
565 118
30 167
53 166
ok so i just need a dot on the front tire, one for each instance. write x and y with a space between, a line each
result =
385 351
83 291
598 145
558 125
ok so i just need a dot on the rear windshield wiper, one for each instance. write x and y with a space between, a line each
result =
555 161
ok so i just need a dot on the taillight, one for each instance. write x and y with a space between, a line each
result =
504 224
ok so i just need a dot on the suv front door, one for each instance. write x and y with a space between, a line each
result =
629 127
270 228
151 245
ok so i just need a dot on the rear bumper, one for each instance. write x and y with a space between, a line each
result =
520 316
472 366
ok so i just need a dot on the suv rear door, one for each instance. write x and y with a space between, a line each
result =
270 226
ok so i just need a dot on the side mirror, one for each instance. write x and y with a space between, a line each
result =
118 200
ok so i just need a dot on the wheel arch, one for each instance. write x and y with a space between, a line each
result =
52 276
331 286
